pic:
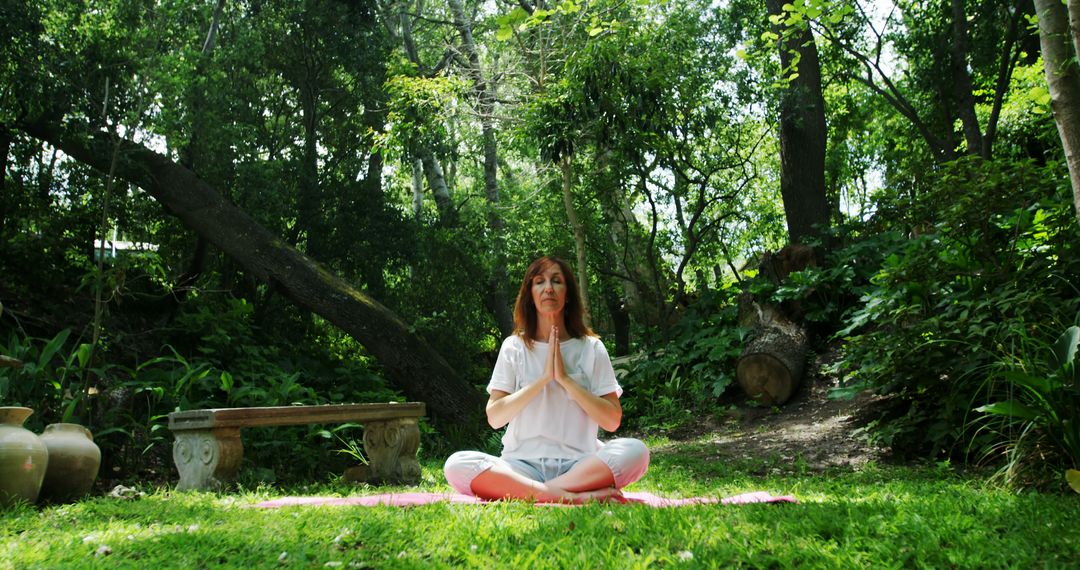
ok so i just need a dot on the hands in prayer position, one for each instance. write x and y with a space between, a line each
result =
555 369
605 410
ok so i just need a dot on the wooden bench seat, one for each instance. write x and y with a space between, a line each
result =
208 451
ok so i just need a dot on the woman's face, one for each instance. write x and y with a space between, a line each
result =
549 290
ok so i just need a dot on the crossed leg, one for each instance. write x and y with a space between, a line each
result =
588 480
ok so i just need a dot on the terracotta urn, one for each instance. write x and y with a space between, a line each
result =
74 459
23 458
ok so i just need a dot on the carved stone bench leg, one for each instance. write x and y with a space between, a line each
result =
391 450
207 458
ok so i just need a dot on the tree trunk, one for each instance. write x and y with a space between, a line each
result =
962 86
579 234
620 321
417 187
1005 70
643 285
802 136
5 148
215 23
1063 80
309 204
399 24
375 120
188 152
485 100
436 180
409 361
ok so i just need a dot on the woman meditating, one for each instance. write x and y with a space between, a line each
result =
554 385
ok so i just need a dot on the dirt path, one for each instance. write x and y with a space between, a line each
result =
810 426
810 429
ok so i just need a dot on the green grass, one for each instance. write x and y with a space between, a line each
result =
878 516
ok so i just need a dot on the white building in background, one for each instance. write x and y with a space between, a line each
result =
115 247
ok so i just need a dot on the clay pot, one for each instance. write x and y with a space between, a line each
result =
23 458
74 459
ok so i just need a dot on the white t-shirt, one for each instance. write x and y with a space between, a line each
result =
552 425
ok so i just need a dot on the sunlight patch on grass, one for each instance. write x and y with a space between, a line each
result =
873 517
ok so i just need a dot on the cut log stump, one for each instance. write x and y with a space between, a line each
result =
771 365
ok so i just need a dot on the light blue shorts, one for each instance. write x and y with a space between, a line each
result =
627 458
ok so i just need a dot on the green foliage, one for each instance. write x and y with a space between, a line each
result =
987 260
1037 429
682 381
55 381
420 110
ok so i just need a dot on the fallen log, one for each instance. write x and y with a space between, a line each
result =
771 365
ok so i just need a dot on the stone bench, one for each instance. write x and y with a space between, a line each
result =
208 451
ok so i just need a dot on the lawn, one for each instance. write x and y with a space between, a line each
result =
878 516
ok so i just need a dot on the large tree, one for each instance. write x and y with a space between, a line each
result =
803 131
409 362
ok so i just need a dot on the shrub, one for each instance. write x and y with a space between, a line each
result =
982 259
683 379
1036 428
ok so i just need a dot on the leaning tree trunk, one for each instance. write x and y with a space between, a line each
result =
410 362
1063 80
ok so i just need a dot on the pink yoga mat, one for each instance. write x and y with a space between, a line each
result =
411 499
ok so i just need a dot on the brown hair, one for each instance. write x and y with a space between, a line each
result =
525 317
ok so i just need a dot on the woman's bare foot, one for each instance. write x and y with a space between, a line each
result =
605 495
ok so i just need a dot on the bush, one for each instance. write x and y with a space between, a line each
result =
682 380
1035 429
214 356
967 270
